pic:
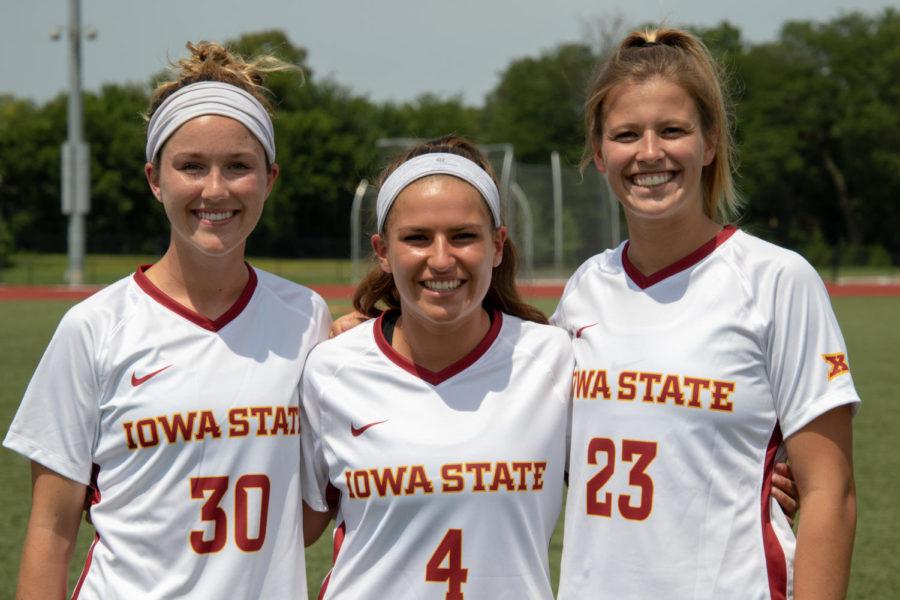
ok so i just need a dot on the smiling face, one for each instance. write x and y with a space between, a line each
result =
440 246
653 150
212 180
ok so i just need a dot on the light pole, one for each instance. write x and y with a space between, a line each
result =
76 158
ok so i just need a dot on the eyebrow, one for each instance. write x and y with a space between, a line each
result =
233 155
417 228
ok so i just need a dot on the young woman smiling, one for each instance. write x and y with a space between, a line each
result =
442 423
702 354
173 393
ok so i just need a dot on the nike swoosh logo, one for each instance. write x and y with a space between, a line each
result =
358 431
136 381
580 329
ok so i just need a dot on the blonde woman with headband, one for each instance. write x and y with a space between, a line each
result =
703 355
173 393
442 422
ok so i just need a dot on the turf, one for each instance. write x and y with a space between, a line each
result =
49 269
870 326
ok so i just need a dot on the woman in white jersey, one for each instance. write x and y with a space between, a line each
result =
173 393
442 423
702 353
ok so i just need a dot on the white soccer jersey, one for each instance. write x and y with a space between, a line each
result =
686 383
451 482
192 428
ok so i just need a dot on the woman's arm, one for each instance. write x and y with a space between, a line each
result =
56 507
821 457
314 523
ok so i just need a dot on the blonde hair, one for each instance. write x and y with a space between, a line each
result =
681 58
209 61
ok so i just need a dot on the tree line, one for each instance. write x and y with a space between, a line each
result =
816 114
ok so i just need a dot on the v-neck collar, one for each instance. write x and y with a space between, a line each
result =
438 377
645 281
140 277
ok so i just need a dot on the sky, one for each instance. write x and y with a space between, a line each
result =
384 49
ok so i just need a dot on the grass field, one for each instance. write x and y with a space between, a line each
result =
49 269
870 325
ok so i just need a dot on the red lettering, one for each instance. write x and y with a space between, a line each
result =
388 478
237 418
281 421
539 468
671 389
478 469
178 425
453 479
294 414
152 437
721 390
627 389
522 468
128 439
696 385
208 425
261 413
648 379
502 477
418 479
361 482
348 477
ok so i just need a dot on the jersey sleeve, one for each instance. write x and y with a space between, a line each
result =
313 466
807 359
57 422
558 318
323 320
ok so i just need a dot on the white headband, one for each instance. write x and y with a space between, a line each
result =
437 163
209 98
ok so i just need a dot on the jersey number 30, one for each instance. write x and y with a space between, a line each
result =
449 551
602 451
216 487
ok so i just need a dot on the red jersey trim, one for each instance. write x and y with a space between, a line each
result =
212 325
645 281
776 565
339 533
87 565
432 377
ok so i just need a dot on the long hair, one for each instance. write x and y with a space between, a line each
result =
681 58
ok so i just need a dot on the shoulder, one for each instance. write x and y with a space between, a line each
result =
348 348
768 266
608 261
584 281
104 310
544 342
292 296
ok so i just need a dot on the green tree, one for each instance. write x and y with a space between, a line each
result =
819 135
539 103
429 116
30 139
125 217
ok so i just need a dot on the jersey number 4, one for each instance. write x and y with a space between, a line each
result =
603 451
216 487
449 551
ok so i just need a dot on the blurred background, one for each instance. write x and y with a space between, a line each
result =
814 88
